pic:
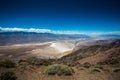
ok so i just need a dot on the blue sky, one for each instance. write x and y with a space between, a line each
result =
61 15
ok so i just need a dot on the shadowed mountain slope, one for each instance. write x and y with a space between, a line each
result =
91 51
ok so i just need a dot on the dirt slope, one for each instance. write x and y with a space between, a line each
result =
101 57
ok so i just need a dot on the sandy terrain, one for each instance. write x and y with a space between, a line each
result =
45 50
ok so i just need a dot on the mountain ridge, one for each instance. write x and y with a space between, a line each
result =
7 38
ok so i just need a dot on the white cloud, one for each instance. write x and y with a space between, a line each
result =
26 30
56 32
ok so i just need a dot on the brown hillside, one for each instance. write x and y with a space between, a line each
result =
102 57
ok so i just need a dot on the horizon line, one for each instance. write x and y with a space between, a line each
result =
38 30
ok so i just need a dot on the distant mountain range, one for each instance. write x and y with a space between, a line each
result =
110 35
19 37
8 38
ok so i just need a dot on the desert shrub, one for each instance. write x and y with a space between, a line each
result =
7 63
95 70
98 66
107 70
111 60
8 76
87 65
59 69
38 62
116 70
72 64
80 68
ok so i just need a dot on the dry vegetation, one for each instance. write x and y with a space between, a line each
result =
87 71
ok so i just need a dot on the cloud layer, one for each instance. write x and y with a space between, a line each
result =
53 31
25 30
